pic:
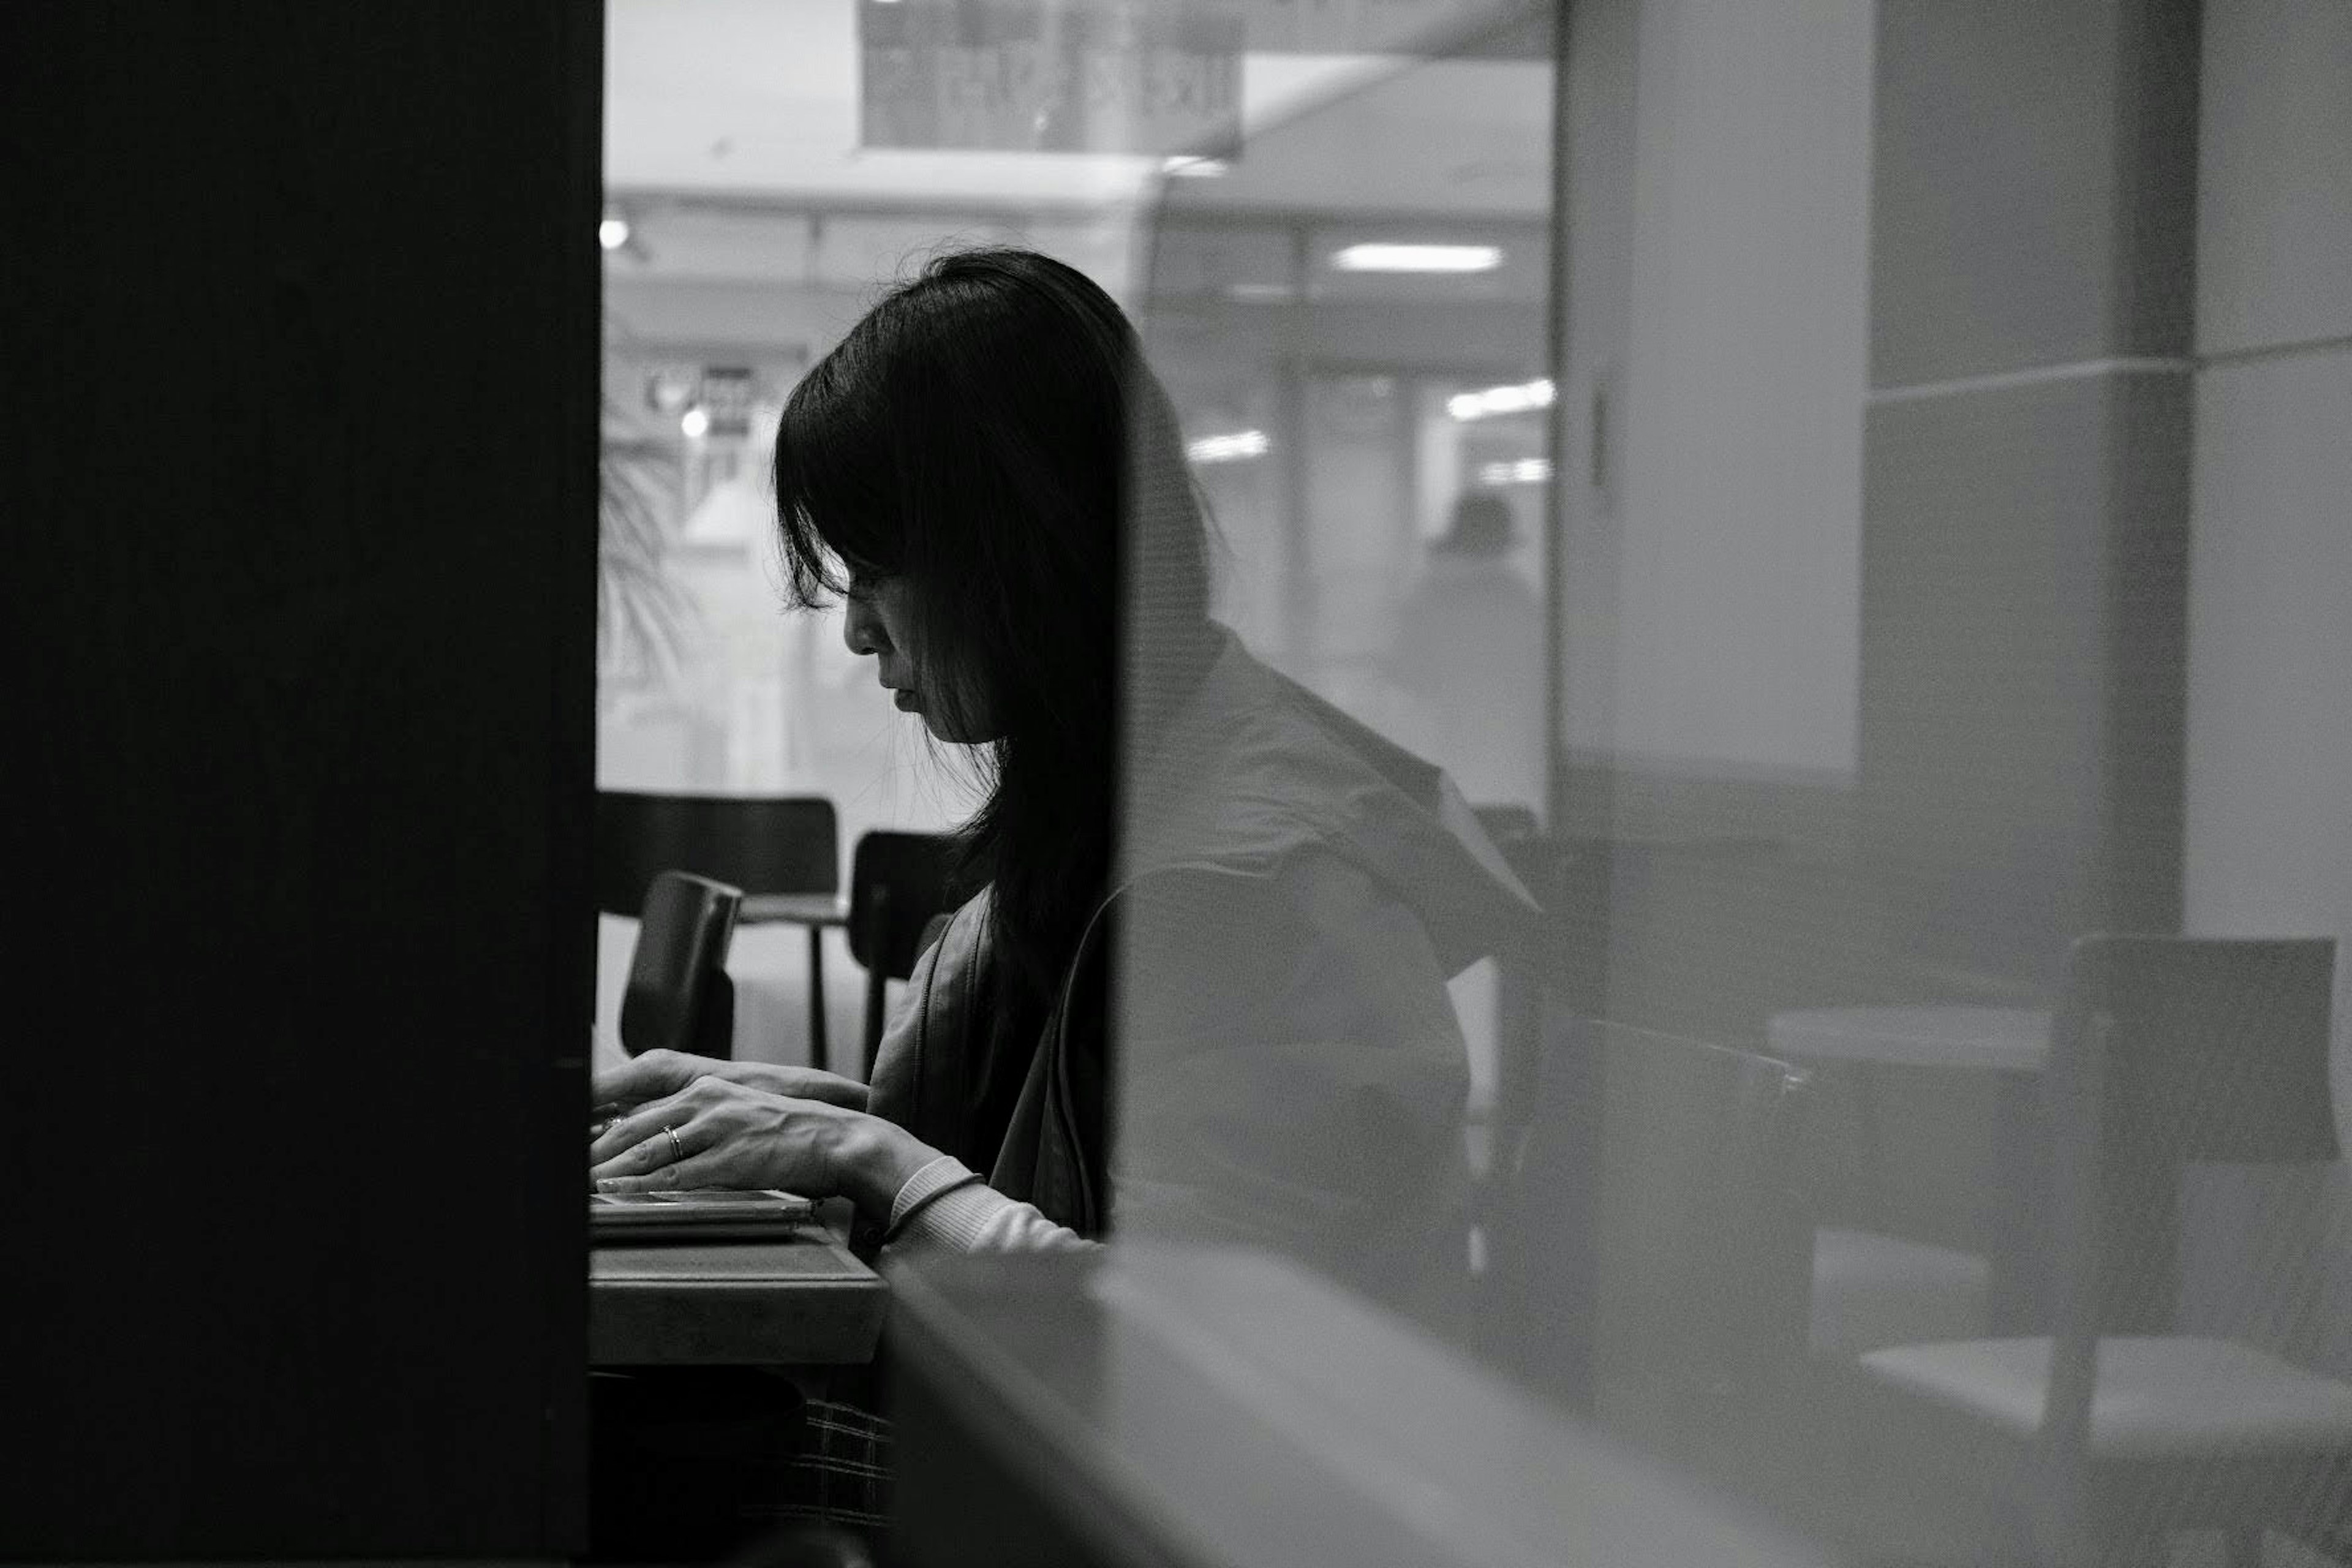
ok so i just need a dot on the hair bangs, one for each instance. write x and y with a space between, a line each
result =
837 511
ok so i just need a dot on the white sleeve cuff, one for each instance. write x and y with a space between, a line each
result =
942 1174
945 1207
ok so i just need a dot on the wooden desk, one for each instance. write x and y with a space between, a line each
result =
818 912
804 1302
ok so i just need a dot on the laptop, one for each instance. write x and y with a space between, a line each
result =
696 1214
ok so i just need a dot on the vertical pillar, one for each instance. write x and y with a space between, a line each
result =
2026 474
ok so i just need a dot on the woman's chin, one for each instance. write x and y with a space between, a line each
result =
953 732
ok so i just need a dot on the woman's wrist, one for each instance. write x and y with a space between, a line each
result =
872 1160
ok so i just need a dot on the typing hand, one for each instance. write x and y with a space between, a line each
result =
659 1074
716 1133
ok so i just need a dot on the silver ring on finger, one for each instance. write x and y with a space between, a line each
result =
676 1148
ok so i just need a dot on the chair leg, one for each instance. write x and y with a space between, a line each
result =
817 1052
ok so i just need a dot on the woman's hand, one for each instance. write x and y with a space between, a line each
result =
659 1074
715 1133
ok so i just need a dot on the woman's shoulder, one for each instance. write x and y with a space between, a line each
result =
1310 910
1245 778
1308 880
1269 784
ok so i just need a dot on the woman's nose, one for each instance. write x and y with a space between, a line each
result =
861 628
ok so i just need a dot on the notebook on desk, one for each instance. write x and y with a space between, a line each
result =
696 1214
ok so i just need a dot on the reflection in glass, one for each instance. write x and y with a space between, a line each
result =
1869 526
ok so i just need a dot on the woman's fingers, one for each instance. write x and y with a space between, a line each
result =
715 1133
799 1083
667 1149
701 1171
649 1077
645 1125
658 1074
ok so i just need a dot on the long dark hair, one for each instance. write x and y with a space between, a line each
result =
990 433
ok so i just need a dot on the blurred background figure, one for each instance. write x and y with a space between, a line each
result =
1468 651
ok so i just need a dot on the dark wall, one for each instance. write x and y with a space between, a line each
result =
299 589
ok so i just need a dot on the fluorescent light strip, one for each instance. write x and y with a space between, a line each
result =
1386 257
1230 448
1526 471
1514 399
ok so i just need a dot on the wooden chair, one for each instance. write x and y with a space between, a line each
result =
782 851
899 883
679 996
2095 1442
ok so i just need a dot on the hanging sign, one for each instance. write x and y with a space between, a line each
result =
1050 76
1371 27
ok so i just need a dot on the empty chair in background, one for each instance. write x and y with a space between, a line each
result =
783 852
1975 1265
900 884
1699 1244
2092 1443
1649 1238
679 996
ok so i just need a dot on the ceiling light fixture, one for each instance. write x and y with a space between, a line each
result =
614 232
1232 448
696 424
1516 398
1526 471
1386 257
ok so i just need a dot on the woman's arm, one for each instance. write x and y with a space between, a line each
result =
945 1207
716 1133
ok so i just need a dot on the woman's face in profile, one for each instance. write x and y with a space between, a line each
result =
881 618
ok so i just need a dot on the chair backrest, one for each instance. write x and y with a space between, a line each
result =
1651 1253
1702 1252
2169 1050
679 996
899 882
2166 1049
2217 1048
760 843
1537 1209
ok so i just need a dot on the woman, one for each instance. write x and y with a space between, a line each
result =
978 467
